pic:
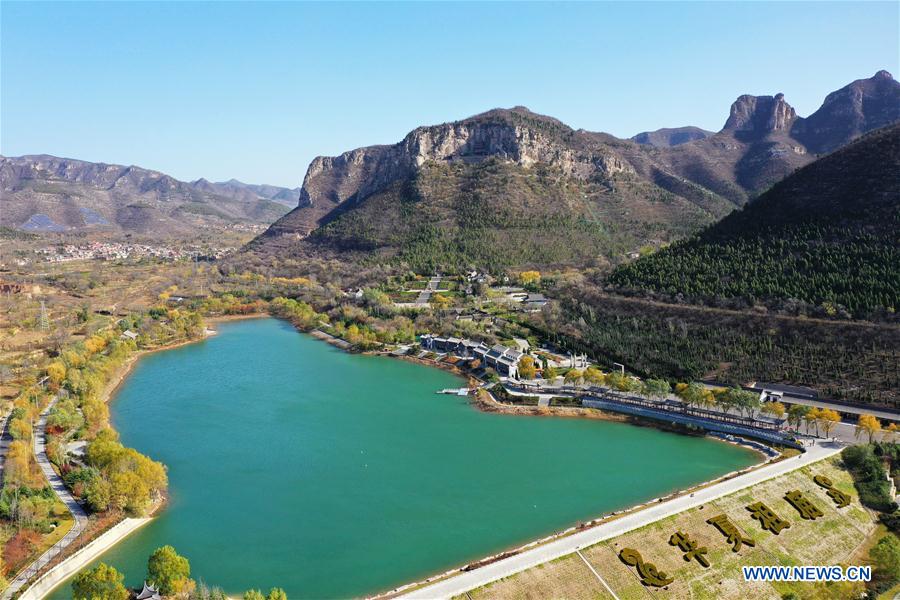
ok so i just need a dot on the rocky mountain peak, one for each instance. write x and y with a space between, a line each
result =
856 108
760 115
516 135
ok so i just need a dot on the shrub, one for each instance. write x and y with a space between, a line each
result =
869 478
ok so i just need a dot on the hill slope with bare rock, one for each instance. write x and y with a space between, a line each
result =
49 194
513 188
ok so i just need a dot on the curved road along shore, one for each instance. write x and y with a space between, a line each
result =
463 582
59 488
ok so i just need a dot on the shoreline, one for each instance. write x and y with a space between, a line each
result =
104 541
495 406
460 580
92 549
123 371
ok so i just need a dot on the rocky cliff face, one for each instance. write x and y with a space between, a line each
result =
760 115
861 106
517 136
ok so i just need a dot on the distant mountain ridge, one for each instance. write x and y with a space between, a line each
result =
250 191
668 137
528 168
47 193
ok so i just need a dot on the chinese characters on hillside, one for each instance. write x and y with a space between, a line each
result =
768 519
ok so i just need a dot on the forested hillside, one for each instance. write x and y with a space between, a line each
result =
852 361
496 214
827 236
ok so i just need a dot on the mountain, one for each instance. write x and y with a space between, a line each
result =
861 106
512 188
668 137
827 236
505 187
46 193
249 191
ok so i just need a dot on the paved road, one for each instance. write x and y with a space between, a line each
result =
884 415
463 582
789 398
59 488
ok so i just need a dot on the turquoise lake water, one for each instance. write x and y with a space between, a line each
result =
297 465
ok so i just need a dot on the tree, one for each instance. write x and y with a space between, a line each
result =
20 429
622 383
868 424
527 369
746 402
56 371
17 472
550 373
441 302
573 377
277 594
796 413
828 418
656 388
594 375
885 557
708 400
98 494
168 571
254 595
751 402
530 277
775 409
891 429
812 418
375 298
692 394
100 583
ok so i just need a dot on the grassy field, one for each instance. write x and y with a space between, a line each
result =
831 539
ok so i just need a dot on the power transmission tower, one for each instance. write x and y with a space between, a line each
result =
44 322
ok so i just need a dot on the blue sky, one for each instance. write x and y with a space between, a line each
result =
255 91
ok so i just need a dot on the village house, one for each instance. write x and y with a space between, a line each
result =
501 358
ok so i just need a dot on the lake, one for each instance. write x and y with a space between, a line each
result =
294 464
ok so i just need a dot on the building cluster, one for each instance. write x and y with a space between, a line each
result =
503 359
524 300
118 251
